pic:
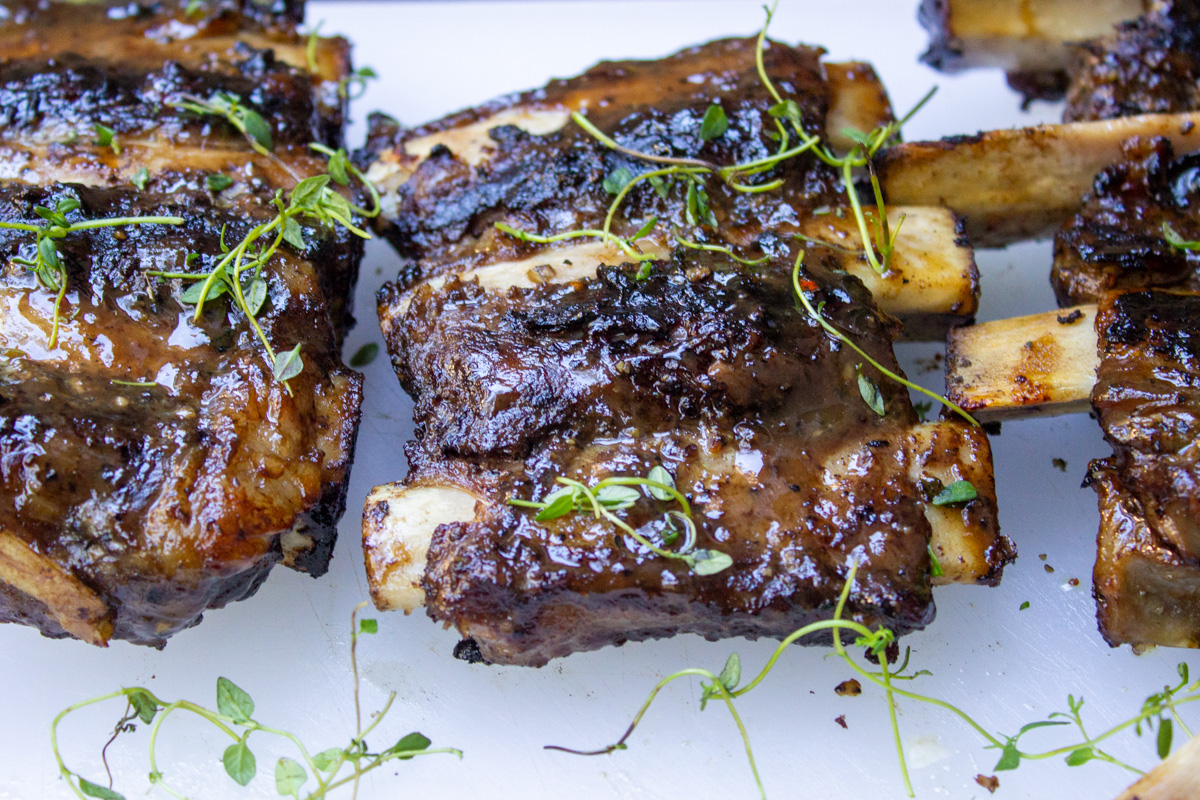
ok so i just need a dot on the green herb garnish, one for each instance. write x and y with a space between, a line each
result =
217 182
955 494
801 288
46 262
1159 711
870 393
234 716
140 179
714 124
692 173
614 494
240 270
106 137
364 355
229 106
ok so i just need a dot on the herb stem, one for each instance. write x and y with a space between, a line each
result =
833 331
612 144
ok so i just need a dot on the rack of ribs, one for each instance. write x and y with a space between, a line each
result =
532 361
151 464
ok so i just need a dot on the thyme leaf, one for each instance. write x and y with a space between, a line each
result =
331 768
714 124
619 493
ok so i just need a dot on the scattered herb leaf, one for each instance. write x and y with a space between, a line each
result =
956 493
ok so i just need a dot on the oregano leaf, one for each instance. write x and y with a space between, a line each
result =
256 296
143 705
1080 756
1166 731
96 790
1010 758
325 759
955 493
714 124
289 777
558 504
710 562
617 180
364 355
731 673
869 390
233 702
293 234
413 742
239 763
288 365
217 182
659 474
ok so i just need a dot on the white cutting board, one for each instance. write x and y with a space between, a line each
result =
288 646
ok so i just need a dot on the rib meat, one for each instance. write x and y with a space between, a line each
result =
522 162
152 466
1147 577
707 369
530 362
1149 65
1116 241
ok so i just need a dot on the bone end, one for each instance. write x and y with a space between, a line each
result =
398 525
1039 365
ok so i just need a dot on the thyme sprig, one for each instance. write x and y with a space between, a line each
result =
47 263
234 717
803 287
240 270
606 497
1177 241
1159 711
693 173
230 107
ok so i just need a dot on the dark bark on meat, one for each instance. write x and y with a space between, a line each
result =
170 498
1147 396
1116 241
444 214
1150 65
707 368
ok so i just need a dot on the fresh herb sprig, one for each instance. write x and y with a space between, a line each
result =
330 769
802 288
230 107
692 174
1160 711
240 270
47 263
606 497
1177 241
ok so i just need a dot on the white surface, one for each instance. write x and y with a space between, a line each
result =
288 646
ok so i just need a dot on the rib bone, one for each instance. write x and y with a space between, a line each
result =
1022 183
1039 365
1016 35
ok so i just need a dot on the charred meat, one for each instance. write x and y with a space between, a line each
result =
1149 65
153 463
1147 577
709 370
1117 240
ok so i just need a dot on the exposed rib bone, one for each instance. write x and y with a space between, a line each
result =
1022 183
77 609
1173 779
1039 365
932 284
1016 35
